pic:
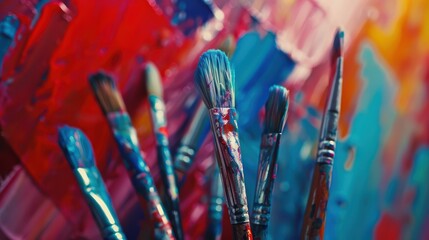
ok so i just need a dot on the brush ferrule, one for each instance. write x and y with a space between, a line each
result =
159 121
267 170
216 196
184 158
95 193
225 129
326 152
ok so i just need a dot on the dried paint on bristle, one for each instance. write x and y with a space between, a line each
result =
276 109
108 96
153 80
214 78
338 48
76 147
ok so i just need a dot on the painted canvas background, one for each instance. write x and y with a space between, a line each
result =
48 49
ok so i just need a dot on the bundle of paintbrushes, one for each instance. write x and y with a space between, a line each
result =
78 151
159 123
275 118
111 103
215 81
315 213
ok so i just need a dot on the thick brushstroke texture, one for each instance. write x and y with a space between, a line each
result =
379 189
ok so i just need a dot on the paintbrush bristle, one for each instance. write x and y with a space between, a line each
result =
276 109
214 78
108 96
153 80
76 147
338 50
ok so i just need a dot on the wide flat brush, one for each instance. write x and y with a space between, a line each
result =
214 79
315 213
78 151
110 101
159 123
275 118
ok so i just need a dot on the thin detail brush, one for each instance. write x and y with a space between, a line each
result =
159 123
275 118
110 101
78 151
214 79
315 213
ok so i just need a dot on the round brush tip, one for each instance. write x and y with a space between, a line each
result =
276 109
76 147
214 78
153 80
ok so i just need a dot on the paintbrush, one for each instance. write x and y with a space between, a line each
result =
215 210
78 151
159 122
214 79
192 140
110 101
315 212
198 129
275 118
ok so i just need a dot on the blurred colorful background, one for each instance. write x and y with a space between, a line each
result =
381 171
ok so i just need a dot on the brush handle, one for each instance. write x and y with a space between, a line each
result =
315 213
225 132
95 193
214 229
141 178
267 171
165 162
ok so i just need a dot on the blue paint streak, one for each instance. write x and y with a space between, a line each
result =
354 204
8 28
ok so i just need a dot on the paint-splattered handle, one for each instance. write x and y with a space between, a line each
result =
225 131
242 231
315 213
141 178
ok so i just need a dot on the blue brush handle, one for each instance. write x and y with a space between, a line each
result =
78 152
141 178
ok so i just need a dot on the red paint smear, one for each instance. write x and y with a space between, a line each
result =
388 228
49 66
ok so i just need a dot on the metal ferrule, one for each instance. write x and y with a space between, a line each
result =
141 178
216 196
326 152
214 229
184 158
193 138
92 186
159 121
225 129
267 171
